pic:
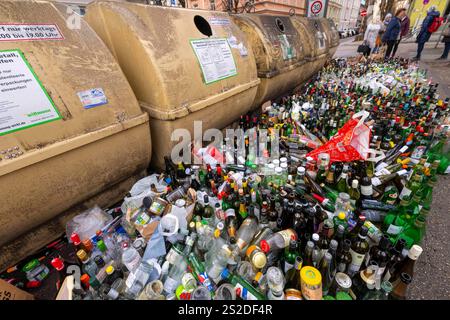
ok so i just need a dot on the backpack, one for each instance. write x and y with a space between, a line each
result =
435 24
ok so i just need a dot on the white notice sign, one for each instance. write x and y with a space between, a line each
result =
29 32
215 59
23 100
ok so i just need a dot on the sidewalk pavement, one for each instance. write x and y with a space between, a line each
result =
431 276
439 71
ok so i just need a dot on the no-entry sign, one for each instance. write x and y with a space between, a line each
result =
317 8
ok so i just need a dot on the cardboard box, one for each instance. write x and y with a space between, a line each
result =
10 292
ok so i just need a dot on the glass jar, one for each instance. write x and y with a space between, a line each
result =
158 206
311 283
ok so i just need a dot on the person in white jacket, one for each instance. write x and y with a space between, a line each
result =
371 34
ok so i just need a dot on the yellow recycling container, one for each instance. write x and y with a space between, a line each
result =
279 53
72 134
317 43
183 65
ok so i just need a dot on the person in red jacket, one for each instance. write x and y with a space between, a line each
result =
404 29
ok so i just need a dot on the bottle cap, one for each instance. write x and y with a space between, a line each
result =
315 237
406 278
57 263
88 244
225 273
31 265
82 255
333 244
259 260
415 252
109 270
341 215
101 246
75 238
180 203
311 276
355 184
264 245
99 261
278 170
85 279
301 170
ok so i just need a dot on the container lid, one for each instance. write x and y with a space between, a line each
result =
31 265
415 252
311 276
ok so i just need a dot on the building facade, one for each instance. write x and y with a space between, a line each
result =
334 10
350 17
274 7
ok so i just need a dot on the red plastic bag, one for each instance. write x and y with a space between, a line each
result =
350 143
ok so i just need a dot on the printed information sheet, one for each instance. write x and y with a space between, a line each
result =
215 58
23 100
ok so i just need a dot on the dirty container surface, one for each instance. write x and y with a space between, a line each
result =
331 34
279 53
315 40
183 65
72 133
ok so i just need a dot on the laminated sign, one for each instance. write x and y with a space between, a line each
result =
215 59
24 102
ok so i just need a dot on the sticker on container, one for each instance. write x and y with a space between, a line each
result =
92 98
24 102
287 50
215 59
219 21
30 32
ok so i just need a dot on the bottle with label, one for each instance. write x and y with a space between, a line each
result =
215 263
358 251
293 276
246 232
290 255
130 257
242 287
278 240
326 271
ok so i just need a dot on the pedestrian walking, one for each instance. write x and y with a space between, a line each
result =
446 40
404 29
371 34
392 34
429 25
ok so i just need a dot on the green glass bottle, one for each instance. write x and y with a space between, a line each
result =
414 233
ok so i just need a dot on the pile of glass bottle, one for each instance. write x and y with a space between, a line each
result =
293 228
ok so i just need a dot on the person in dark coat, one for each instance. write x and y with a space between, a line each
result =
404 29
446 41
392 33
424 35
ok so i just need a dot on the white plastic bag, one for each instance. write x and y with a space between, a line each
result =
142 189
